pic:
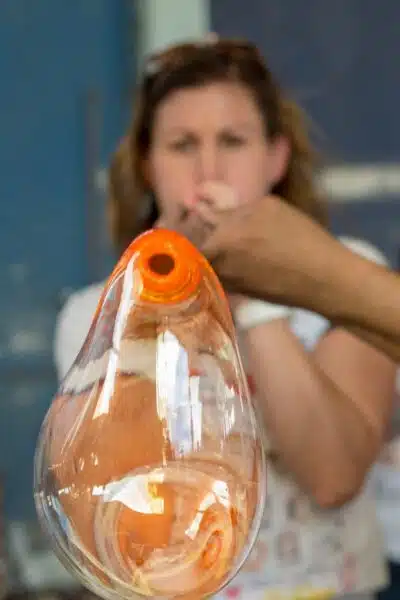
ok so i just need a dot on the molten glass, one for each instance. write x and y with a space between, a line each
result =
149 470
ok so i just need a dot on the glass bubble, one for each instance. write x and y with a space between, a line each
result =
149 469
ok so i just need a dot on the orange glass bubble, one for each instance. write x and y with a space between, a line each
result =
149 469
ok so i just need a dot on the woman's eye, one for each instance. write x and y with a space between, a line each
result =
232 141
182 145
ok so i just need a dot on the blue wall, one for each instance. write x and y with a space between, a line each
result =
338 58
65 72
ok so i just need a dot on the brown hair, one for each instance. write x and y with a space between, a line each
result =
193 65
129 214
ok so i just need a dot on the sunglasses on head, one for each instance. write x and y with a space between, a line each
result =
179 55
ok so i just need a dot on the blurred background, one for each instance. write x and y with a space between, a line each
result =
69 70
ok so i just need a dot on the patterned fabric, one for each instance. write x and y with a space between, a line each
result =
386 481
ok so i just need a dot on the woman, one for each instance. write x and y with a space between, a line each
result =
212 133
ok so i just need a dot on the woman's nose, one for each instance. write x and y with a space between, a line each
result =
208 163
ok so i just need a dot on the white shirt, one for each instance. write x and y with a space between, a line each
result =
386 481
299 545
73 325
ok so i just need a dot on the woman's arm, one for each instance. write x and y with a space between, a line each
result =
304 266
345 388
326 412
365 299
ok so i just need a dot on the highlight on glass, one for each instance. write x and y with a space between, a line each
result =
149 474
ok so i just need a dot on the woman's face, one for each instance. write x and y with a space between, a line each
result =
216 134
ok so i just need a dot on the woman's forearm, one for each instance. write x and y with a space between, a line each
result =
362 297
390 346
318 433
348 290
367 296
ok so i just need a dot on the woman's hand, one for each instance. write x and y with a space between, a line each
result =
266 249
212 201
188 224
273 251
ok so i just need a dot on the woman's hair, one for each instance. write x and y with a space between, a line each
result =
129 212
195 65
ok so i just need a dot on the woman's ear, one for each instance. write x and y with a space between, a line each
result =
279 157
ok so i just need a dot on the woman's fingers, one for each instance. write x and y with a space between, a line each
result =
217 195
188 223
211 200
207 213
195 228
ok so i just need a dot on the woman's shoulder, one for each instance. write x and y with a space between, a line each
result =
73 323
82 302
